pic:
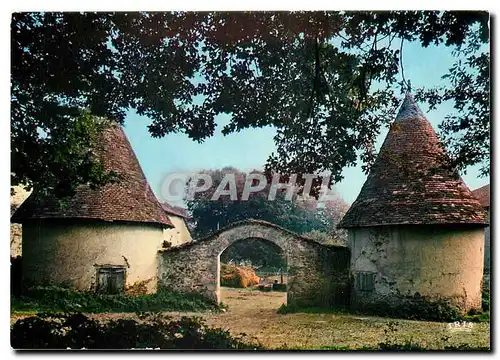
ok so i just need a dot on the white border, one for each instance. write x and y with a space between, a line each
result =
193 5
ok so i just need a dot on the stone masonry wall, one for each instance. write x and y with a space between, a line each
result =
317 274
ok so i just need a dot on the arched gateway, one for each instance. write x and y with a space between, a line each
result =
317 274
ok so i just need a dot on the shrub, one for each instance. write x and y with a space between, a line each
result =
138 288
290 309
238 276
76 331
16 275
477 317
484 315
413 308
485 297
56 298
418 309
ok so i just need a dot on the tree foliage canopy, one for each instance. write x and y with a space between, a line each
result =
328 82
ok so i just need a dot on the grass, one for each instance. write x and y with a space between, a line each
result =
286 309
59 299
337 332
394 347
397 335
254 313
477 318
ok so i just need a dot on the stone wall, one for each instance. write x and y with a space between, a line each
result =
435 262
317 274
69 252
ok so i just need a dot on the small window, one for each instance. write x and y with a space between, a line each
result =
111 280
365 281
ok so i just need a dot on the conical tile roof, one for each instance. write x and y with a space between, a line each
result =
483 195
408 183
175 210
130 199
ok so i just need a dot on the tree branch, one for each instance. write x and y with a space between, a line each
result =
408 88
316 78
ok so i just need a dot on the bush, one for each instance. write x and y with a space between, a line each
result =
138 288
484 315
290 309
413 308
485 298
238 276
16 275
477 318
55 298
76 331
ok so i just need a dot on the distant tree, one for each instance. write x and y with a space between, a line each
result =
327 81
299 216
331 213
260 253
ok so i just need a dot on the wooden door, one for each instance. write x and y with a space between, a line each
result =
110 280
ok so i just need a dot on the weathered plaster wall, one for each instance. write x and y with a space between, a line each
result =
18 195
16 232
179 234
66 253
435 262
317 274
487 245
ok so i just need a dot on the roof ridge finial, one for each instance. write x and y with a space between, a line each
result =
409 108
408 87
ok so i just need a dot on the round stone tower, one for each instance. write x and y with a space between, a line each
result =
98 240
415 229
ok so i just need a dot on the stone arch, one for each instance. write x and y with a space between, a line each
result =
317 273
250 230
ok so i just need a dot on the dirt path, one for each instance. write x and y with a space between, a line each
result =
248 311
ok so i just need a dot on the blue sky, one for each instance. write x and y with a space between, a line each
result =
250 148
